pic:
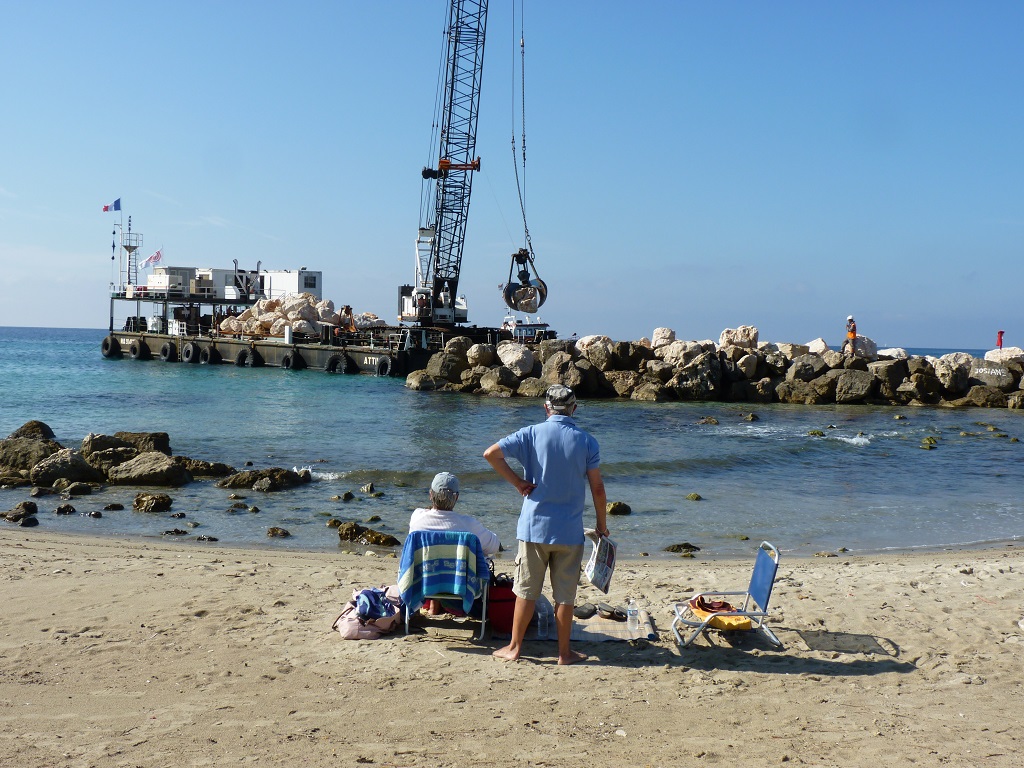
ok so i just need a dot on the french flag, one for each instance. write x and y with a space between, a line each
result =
114 206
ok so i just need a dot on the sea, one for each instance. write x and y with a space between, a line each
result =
865 484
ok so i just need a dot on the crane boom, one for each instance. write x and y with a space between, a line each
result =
434 299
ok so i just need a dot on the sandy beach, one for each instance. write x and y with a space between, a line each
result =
152 653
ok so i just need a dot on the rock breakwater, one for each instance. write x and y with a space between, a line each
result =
738 367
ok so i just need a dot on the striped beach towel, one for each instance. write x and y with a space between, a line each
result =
438 563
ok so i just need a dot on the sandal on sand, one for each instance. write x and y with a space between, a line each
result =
607 612
584 611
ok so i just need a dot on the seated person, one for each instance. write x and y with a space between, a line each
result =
444 492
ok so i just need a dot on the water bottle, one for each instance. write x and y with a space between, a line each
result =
542 625
632 615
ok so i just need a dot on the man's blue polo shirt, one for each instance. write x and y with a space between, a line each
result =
555 455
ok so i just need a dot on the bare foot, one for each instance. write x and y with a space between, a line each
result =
508 653
572 658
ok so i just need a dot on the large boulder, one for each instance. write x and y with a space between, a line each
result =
806 367
152 502
516 357
792 351
833 359
991 374
1004 355
481 354
109 458
550 347
744 336
650 390
866 348
624 382
423 381
699 380
35 430
679 353
94 442
555 368
894 353
747 366
953 371
17 453
367 536
661 337
599 350
147 441
21 512
982 397
272 479
498 378
797 391
445 365
65 464
854 386
818 347
890 373
200 468
922 387
631 355
531 387
660 370
150 468
458 345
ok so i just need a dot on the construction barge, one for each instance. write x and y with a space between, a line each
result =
179 315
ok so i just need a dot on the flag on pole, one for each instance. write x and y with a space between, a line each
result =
114 206
154 259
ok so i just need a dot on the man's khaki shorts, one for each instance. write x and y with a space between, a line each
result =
534 560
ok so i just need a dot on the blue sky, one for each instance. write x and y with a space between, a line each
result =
691 165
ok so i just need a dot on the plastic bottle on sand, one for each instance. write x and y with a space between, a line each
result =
632 615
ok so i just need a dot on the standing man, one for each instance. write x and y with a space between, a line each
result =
851 336
559 461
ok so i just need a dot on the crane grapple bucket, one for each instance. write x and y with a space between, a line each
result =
530 292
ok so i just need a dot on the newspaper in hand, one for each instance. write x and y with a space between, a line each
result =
601 565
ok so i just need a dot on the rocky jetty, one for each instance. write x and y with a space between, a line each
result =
737 368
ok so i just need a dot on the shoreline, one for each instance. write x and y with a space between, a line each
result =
120 653
353 549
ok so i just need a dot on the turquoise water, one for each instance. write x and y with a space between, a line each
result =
867 485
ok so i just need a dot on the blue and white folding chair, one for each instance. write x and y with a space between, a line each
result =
707 610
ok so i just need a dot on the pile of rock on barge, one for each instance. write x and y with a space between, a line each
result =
738 368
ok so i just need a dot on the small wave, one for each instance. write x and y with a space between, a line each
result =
860 440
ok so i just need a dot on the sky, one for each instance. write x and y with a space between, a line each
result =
691 165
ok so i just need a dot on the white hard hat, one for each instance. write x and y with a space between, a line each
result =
849 317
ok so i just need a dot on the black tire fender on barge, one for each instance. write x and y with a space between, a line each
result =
190 352
341 364
248 358
384 366
138 350
169 352
293 361
209 356
110 346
